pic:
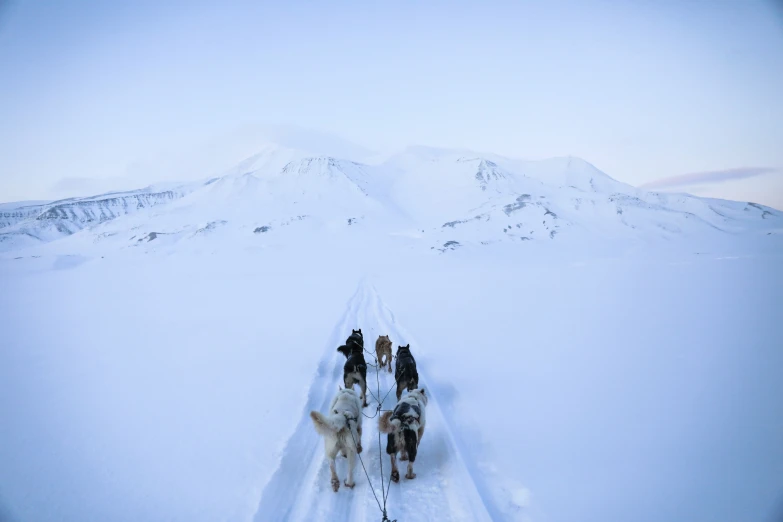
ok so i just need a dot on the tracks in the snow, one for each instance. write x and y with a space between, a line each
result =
299 488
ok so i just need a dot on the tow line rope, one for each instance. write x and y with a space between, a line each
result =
378 410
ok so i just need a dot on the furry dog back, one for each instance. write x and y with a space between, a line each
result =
409 413
345 405
405 372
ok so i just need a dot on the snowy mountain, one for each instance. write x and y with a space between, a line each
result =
29 224
13 213
439 199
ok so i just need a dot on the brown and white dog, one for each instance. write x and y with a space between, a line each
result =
383 348
405 428
340 427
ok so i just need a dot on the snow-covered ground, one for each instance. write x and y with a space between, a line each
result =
621 362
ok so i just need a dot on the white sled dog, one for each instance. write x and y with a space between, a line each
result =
405 426
343 420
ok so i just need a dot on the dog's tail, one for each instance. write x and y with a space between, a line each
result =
388 425
328 425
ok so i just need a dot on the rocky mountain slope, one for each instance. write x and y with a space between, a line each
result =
440 199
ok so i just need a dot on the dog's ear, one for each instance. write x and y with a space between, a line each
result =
408 346
422 392
339 388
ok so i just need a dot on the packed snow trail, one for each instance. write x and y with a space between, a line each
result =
299 489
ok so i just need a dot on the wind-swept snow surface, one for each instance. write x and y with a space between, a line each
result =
567 385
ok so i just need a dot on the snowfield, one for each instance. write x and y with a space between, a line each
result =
593 351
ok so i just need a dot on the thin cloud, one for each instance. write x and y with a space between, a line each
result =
710 176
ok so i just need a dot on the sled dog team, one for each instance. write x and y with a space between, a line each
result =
341 426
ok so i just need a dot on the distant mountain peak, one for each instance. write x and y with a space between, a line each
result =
468 197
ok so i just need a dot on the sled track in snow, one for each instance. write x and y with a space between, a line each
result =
299 489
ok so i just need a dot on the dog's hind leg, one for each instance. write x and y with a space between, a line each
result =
359 441
389 358
395 474
391 450
351 461
400 387
411 444
421 434
335 480
363 384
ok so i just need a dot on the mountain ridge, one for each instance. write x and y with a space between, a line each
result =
452 196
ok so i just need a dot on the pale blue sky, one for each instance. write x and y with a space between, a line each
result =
643 89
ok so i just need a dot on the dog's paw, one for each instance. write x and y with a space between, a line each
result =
335 484
395 476
410 475
351 485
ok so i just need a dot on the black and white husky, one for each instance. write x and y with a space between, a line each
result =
405 426
340 427
355 368
405 371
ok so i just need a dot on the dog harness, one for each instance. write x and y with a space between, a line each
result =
407 413
356 363
355 340
405 359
